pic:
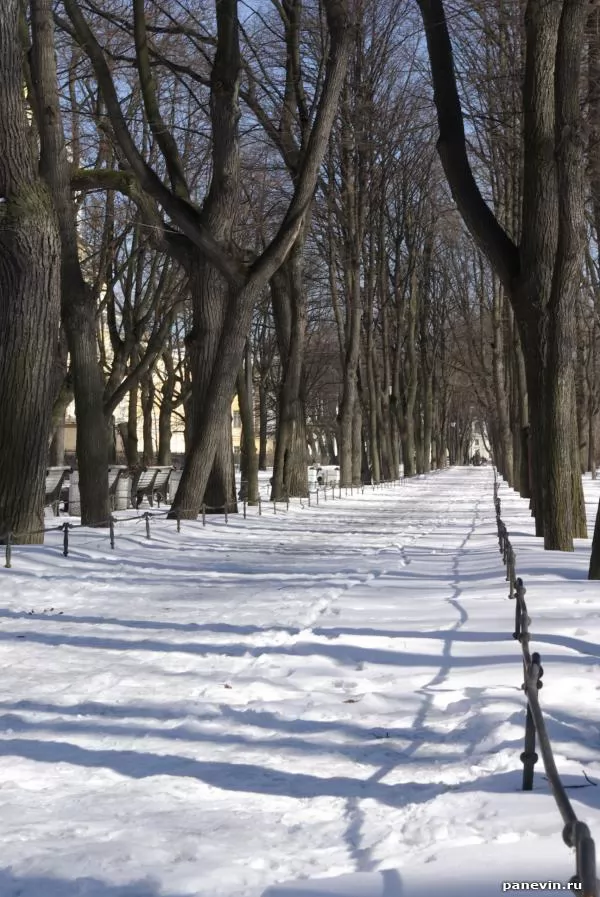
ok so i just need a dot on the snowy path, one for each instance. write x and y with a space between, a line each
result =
327 691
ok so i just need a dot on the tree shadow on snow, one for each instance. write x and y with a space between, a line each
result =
14 885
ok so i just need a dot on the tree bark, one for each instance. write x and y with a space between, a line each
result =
263 419
147 390
249 458
594 569
196 231
290 471
29 302
77 299
539 276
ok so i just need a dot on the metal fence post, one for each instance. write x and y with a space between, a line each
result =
203 514
8 550
111 530
529 757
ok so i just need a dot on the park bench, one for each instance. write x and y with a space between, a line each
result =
323 476
116 472
55 477
151 482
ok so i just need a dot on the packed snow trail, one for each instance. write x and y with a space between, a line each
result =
328 691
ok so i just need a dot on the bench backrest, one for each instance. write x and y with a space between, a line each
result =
146 479
162 477
114 474
54 479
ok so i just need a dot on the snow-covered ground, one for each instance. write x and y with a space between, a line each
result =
293 697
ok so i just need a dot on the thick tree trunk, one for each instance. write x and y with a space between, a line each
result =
29 303
210 304
594 571
541 274
290 471
78 301
563 512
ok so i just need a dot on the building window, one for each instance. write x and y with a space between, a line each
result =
237 420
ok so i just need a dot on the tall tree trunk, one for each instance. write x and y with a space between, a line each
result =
358 446
209 296
594 570
542 273
56 454
165 413
131 432
290 471
263 418
563 510
498 374
78 300
29 302
147 390
249 458
411 378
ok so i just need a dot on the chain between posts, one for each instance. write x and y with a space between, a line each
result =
9 539
576 834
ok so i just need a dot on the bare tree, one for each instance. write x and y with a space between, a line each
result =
540 275
29 301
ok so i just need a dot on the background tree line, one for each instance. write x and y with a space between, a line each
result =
376 222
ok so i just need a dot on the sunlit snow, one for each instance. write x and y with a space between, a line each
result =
328 697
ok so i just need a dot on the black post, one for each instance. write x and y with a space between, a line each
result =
111 530
529 757
65 529
147 516
8 550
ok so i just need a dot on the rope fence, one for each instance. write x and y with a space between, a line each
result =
314 498
576 834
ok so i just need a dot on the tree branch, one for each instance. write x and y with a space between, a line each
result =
485 229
